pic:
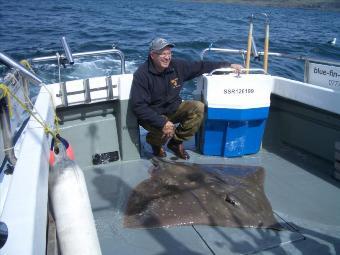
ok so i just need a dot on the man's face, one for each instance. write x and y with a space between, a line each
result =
161 59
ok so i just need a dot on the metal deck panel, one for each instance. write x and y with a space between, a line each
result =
109 187
298 185
302 191
245 240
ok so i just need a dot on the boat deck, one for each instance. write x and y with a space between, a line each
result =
299 186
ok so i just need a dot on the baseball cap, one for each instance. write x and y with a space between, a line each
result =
160 43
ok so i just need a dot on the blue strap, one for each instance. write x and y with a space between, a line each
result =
62 140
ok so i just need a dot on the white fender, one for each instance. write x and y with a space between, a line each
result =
68 194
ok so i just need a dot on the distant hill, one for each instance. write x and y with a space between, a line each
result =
314 4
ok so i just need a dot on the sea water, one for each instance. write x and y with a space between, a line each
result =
34 28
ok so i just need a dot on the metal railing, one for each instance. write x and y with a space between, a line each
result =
231 70
261 53
58 57
22 77
68 57
8 61
252 51
63 94
307 60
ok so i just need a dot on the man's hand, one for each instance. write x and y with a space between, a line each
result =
168 130
237 68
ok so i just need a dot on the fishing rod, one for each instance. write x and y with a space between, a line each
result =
249 44
266 43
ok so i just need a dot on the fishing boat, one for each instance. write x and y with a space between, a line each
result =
289 128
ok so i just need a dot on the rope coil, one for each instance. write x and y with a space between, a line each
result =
6 92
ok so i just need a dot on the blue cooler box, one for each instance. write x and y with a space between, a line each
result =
236 114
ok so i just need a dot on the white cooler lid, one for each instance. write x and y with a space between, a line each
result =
231 91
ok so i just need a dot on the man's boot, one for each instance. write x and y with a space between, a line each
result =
178 149
158 151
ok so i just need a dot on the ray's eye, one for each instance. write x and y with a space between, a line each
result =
231 200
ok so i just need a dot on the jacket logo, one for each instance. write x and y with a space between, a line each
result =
174 83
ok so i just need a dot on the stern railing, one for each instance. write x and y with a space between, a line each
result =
61 58
68 57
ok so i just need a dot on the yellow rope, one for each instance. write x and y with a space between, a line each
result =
8 93
27 65
56 119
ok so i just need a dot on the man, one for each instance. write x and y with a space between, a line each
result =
156 102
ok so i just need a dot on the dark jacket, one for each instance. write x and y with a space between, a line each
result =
155 94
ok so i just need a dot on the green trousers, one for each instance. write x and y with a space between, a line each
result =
189 117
